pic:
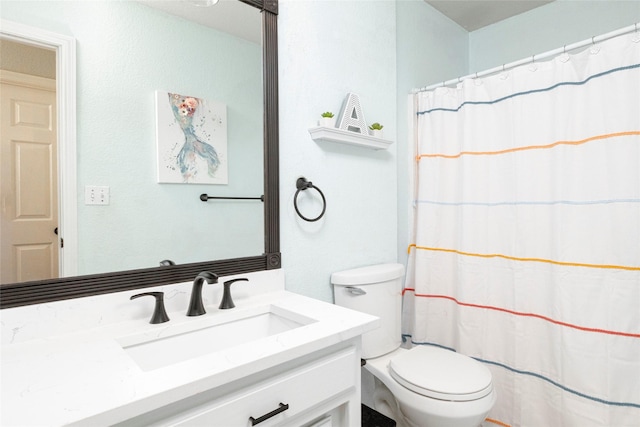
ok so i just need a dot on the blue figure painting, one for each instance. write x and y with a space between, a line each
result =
191 156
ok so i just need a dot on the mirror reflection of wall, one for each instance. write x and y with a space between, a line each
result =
126 51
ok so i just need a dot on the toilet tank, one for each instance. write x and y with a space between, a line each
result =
375 290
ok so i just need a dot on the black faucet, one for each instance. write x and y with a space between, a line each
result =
159 313
227 301
196 308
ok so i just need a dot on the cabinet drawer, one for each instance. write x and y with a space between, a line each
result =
300 389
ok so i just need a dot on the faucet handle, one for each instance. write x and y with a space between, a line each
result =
159 313
227 301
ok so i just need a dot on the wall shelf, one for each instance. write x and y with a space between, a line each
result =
322 133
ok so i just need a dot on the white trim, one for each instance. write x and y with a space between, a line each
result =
65 47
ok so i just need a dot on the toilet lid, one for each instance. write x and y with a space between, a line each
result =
441 374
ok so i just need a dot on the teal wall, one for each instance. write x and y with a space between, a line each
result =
430 47
378 50
546 28
328 49
125 52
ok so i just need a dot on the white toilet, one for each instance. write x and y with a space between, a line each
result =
425 386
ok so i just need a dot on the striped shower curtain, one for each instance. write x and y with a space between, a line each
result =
526 243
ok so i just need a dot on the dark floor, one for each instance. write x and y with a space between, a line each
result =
372 418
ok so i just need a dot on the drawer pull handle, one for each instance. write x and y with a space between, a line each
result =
265 417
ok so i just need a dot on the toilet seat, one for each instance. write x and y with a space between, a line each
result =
441 374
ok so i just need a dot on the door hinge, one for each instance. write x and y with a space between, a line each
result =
61 242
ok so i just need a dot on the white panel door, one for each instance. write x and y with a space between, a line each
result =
28 176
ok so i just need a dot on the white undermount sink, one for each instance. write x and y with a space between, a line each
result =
173 344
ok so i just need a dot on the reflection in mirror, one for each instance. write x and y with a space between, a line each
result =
126 52
28 163
126 108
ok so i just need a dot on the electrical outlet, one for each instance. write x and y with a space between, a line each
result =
96 195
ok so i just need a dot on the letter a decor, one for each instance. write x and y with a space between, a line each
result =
351 117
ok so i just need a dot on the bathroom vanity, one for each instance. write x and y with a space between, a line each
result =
276 359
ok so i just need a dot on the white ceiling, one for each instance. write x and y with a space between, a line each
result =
474 14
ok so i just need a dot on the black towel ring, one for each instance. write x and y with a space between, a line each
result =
302 184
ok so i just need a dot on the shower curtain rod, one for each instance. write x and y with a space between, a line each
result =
593 40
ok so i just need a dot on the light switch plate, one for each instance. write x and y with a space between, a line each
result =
96 195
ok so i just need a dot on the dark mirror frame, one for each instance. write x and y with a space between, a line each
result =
42 291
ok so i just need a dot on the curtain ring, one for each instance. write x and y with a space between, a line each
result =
302 184
636 36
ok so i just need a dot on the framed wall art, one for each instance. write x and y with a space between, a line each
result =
191 135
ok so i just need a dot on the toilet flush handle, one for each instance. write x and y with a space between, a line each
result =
355 291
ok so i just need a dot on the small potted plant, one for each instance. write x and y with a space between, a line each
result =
376 130
327 120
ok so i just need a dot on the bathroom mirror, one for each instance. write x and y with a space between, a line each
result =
16 294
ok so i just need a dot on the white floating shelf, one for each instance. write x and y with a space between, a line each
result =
322 133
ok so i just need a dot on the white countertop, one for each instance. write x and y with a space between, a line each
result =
85 376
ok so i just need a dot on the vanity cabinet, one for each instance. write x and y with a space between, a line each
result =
317 390
305 376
